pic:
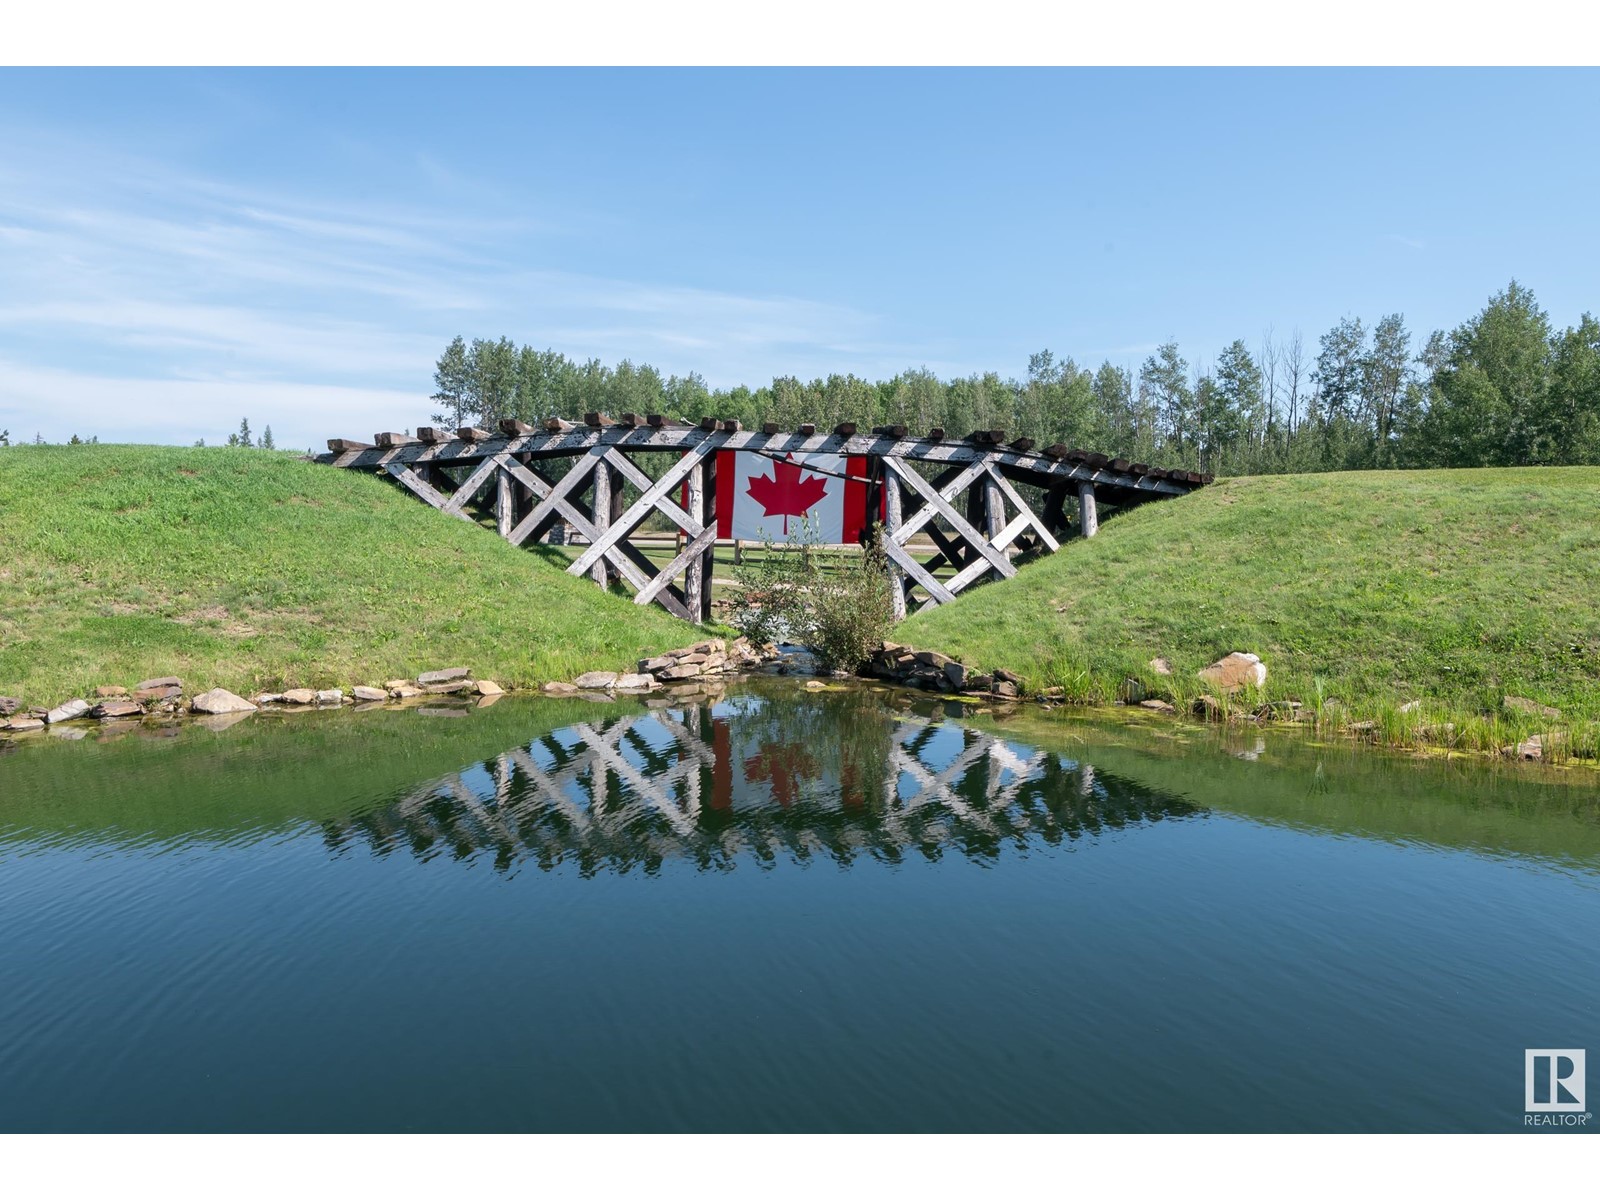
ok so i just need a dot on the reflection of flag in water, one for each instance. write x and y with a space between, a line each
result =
757 496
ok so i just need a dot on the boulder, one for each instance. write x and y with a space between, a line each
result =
687 671
165 681
558 688
164 692
23 725
1235 671
107 690
956 674
1533 749
1159 706
443 675
300 696
932 658
1004 687
1008 676
488 687
1531 708
635 683
390 684
362 692
113 708
1161 666
9 705
70 711
267 698
590 680
659 663
330 696
404 691
1208 707
218 701
452 687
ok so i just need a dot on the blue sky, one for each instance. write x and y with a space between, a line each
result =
182 248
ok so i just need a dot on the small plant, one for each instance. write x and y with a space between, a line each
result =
834 602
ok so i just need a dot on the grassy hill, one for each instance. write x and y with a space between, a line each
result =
1455 588
253 570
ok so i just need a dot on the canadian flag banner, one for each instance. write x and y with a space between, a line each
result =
791 498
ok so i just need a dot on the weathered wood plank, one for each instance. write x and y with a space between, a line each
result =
405 475
891 526
473 483
571 480
394 439
1041 528
695 582
684 562
346 445
1088 514
899 555
938 503
643 506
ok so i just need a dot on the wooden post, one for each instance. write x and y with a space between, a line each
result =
505 499
709 515
601 509
891 526
694 576
994 511
1088 518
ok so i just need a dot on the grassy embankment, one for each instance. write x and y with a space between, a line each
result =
254 570
1453 588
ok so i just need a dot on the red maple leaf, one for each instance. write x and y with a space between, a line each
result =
785 494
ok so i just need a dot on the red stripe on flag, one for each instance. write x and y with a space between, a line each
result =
855 498
725 482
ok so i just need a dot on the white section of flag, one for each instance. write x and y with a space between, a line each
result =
751 521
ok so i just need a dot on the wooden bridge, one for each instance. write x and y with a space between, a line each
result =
970 509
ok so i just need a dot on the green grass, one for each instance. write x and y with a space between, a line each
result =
256 570
1371 589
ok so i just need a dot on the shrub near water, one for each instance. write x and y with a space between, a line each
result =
834 602
254 570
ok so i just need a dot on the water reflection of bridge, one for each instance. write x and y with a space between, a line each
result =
748 777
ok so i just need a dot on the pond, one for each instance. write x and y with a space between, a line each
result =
773 909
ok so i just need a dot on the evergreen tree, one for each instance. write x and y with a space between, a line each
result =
450 378
266 439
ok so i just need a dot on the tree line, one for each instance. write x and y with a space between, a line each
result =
1504 388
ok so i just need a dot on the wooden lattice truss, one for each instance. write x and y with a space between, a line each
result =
971 509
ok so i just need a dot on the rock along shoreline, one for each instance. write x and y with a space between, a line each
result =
1234 694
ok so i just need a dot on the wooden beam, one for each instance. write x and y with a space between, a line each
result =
516 428
597 420
346 445
899 555
547 506
471 433
601 507
891 526
938 503
394 439
1088 515
1041 528
686 561
474 482
433 435
505 503
405 475
557 425
644 505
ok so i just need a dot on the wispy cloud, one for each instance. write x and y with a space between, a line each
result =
1409 242
145 301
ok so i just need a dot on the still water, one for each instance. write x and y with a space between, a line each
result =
779 910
